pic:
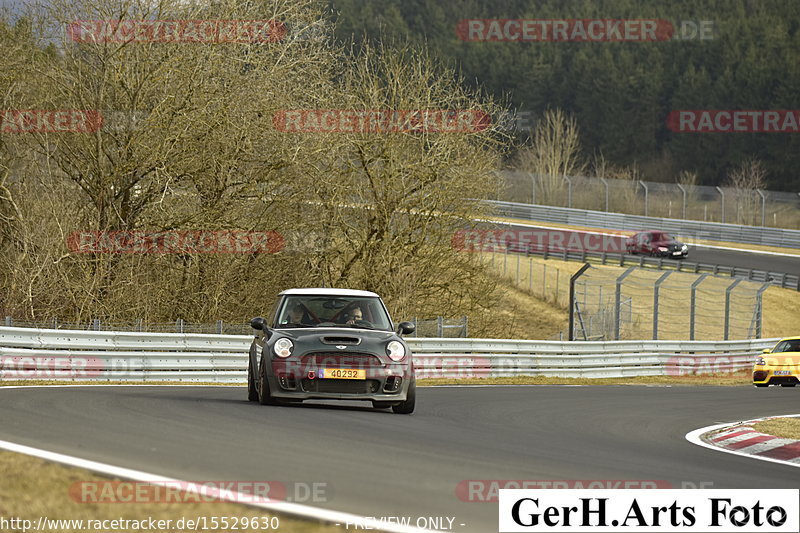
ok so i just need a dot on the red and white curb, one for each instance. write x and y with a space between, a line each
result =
741 439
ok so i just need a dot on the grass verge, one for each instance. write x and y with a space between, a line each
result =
785 428
34 488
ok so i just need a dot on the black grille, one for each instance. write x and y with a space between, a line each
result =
341 386
349 341
780 380
393 384
344 360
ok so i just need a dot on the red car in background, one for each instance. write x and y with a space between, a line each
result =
656 243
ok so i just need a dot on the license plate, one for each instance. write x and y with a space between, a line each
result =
343 373
783 373
676 253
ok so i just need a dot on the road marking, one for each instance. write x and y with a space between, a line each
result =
695 438
296 509
570 228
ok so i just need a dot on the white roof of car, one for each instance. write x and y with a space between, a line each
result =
328 292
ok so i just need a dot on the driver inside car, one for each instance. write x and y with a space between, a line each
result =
355 315
297 315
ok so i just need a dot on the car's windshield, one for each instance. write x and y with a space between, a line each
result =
662 237
334 311
788 346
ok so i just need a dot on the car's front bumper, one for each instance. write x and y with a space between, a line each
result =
674 254
776 375
387 383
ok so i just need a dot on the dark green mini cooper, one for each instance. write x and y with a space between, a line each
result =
331 344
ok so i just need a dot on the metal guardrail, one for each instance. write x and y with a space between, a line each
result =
715 231
70 355
780 279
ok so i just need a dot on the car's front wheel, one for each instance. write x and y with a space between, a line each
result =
264 396
407 407
252 391
761 384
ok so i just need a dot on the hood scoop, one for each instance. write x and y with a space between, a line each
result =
341 339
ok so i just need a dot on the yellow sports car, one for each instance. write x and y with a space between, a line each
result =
779 366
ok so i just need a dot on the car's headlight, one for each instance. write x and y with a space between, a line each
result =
395 350
684 247
761 361
662 248
283 347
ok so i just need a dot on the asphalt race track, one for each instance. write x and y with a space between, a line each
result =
732 258
376 463
756 261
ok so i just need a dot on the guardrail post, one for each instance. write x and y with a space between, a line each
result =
645 196
569 191
759 309
544 281
179 325
439 326
656 287
572 280
683 190
137 325
722 195
464 330
763 207
728 305
558 271
617 301
533 187
604 182
9 321
96 324
692 306
219 327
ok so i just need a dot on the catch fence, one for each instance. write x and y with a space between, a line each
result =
729 205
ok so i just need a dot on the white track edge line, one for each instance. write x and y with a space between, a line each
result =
596 231
296 509
694 438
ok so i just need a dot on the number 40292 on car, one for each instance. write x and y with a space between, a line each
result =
331 344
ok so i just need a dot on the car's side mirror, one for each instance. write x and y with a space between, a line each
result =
260 323
766 350
406 328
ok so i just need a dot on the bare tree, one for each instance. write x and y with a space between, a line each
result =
190 142
745 181
398 197
552 152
